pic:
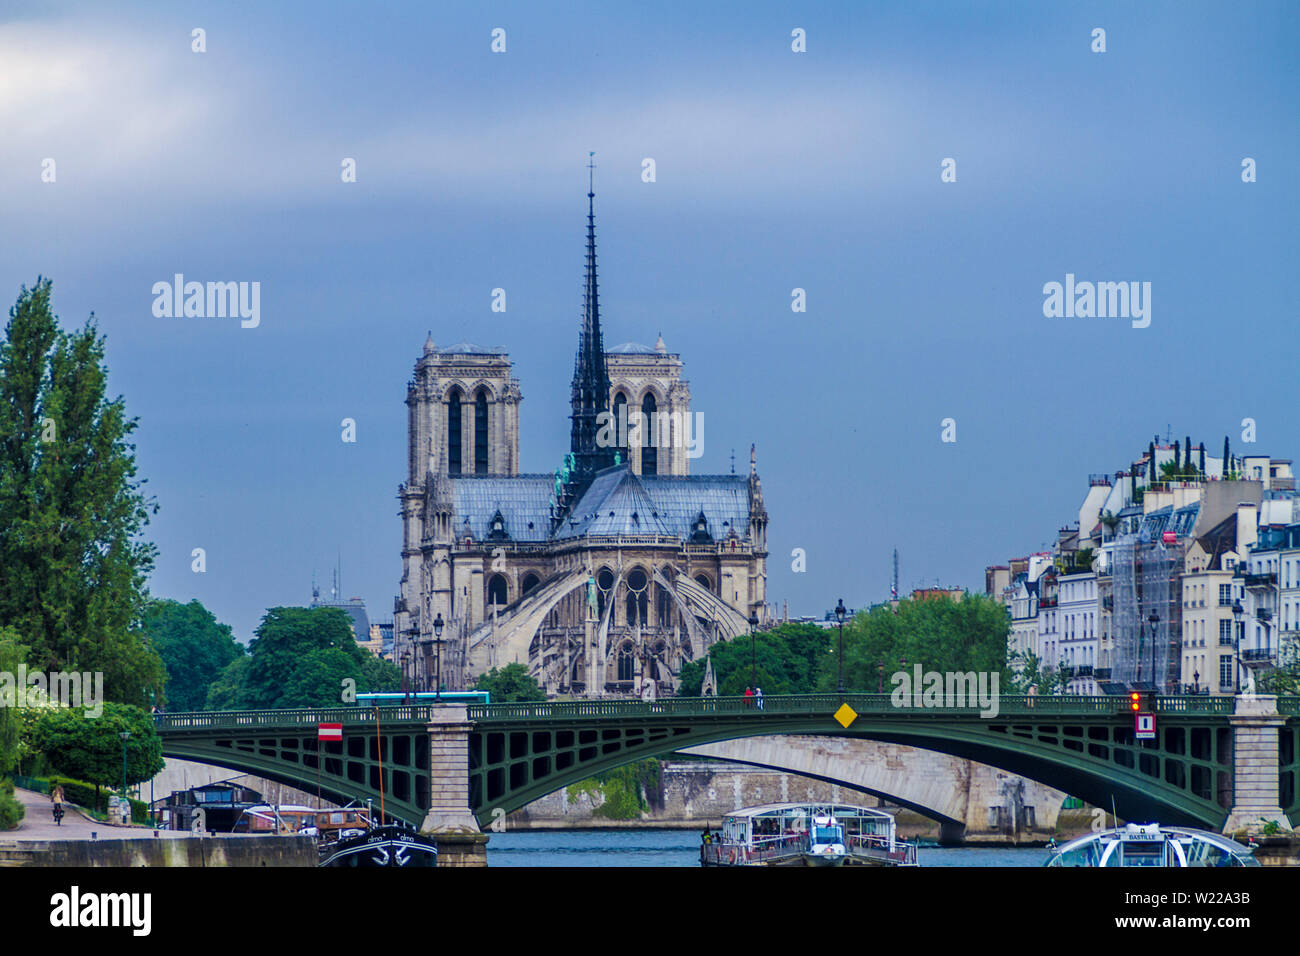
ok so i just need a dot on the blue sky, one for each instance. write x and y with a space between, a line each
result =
775 170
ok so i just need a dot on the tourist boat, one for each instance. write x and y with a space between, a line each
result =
1150 844
807 834
382 846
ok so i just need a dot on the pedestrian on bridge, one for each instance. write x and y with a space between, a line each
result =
758 696
749 696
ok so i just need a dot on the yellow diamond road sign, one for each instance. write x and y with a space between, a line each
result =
846 715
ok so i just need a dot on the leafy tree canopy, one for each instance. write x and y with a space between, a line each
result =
90 748
301 657
72 567
510 684
194 648
787 660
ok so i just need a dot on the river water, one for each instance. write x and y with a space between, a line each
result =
682 848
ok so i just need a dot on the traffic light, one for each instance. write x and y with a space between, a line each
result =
1135 701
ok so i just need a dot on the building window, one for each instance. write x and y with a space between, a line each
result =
1225 633
1225 595
453 434
481 434
604 582
637 597
530 581
1225 672
497 590
626 662
649 451
620 418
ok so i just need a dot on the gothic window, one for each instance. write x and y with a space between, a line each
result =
703 581
620 416
663 606
637 597
626 662
481 433
496 591
530 581
604 584
453 433
649 438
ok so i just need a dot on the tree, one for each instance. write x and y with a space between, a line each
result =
12 655
789 659
194 648
510 684
300 657
940 634
72 567
90 748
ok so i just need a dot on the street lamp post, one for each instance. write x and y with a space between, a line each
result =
839 616
1238 612
125 735
753 650
880 678
437 633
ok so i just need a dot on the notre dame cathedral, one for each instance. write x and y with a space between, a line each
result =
603 577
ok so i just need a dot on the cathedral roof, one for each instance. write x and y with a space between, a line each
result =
632 348
615 503
662 504
521 499
468 348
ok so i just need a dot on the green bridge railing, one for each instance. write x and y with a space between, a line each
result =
863 704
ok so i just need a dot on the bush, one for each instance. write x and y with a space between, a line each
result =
11 811
84 795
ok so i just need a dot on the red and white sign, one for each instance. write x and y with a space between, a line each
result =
1145 728
329 732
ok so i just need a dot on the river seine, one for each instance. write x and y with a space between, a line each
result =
681 848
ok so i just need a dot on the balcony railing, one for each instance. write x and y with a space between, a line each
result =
1265 579
1259 654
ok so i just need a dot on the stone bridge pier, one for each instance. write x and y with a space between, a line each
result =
450 820
1256 800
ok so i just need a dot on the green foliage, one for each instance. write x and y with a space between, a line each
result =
301 657
1029 672
1270 827
194 648
788 657
12 654
89 748
71 510
510 684
940 634
1281 680
11 811
623 790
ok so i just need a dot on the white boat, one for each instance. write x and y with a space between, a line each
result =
825 843
1152 845
807 834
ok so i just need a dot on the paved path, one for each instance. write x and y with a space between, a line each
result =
38 824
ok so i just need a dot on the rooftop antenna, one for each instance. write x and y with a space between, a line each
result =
893 588
591 168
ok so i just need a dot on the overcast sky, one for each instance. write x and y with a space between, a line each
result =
775 170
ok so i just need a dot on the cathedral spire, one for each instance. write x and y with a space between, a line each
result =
590 374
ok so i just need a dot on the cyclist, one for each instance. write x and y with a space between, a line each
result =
56 797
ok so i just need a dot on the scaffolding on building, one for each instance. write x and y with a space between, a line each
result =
1147 621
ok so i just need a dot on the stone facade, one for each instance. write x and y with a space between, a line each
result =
604 577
